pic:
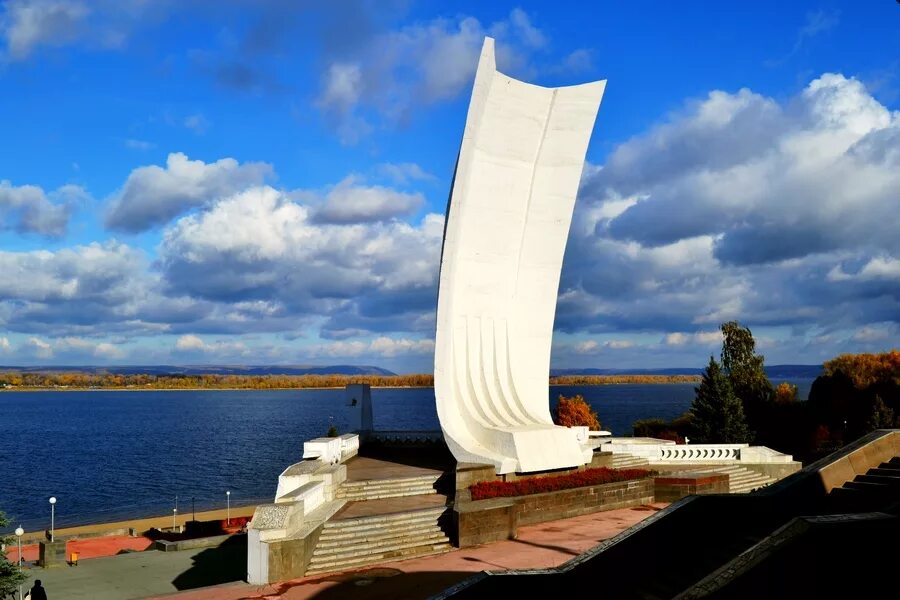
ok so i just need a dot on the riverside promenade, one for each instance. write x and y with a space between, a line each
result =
140 525
217 573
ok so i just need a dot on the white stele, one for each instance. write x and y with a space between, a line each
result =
508 219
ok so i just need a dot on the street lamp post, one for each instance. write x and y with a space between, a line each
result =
19 533
228 507
174 516
52 519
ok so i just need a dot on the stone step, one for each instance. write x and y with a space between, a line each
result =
749 486
367 548
868 487
346 565
385 494
375 489
363 551
376 535
740 479
628 461
356 522
401 481
890 471
374 494
885 479
622 457
345 533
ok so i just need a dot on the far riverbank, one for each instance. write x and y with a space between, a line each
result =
79 382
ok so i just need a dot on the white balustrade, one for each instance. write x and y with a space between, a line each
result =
700 452
325 449
666 451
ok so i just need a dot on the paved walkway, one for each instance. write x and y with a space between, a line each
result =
544 545
109 545
143 574
140 525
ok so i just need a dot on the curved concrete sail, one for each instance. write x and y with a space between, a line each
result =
508 219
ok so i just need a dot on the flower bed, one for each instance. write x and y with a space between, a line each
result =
538 485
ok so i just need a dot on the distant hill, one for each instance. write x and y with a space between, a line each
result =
209 370
774 371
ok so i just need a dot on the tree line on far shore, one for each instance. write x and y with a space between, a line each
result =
176 381
51 380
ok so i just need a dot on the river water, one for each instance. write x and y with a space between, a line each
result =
110 455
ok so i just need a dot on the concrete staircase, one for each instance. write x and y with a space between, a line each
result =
346 544
628 461
877 489
740 479
374 489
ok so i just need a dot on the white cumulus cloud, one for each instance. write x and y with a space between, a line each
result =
352 202
415 65
29 209
154 195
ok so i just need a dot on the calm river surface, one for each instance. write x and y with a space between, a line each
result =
109 455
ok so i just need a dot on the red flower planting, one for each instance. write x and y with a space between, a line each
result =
538 485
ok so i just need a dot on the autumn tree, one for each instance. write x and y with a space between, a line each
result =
786 393
717 414
11 576
857 393
575 412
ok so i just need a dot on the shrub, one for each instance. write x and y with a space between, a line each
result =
538 485
673 430
332 432
575 412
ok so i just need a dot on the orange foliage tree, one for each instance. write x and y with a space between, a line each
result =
867 369
575 412
786 393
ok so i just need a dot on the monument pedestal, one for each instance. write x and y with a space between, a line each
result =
52 554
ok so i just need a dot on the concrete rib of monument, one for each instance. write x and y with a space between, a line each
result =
508 219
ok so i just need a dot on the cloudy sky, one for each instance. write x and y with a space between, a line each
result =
264 182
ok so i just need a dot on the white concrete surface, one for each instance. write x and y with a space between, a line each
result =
311 495
349 445
325 449
508 219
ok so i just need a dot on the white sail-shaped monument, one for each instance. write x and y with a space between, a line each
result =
508 219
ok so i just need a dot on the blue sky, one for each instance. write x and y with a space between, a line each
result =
264 182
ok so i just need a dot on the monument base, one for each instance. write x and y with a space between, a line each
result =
52 554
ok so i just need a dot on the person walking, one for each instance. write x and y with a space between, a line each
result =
37 591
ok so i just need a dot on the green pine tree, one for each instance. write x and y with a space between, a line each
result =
718 415
11 576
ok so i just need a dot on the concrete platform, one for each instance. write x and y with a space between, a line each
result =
367 468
